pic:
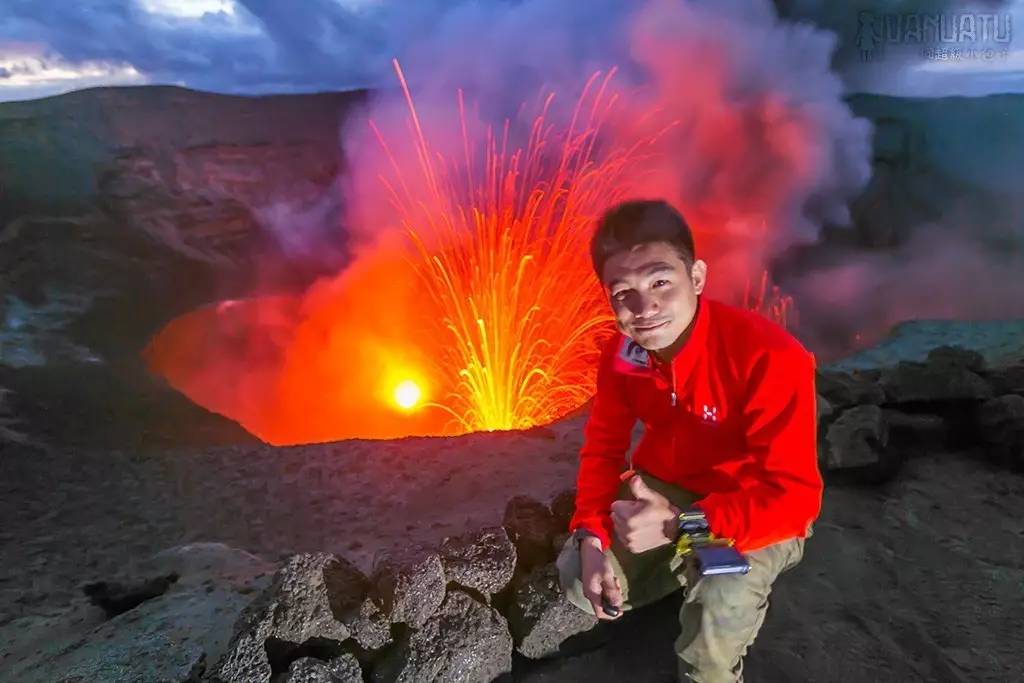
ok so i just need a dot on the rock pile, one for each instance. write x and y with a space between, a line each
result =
871 420
453 613
458 612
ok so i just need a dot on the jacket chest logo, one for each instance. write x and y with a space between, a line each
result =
709 414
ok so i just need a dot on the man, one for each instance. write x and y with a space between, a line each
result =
727 401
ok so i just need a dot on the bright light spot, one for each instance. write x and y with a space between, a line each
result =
407 394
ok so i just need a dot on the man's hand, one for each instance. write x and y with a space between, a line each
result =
598 577
648 522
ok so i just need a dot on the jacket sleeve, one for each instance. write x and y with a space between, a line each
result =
780 418
606 438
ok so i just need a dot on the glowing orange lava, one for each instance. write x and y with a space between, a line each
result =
496 307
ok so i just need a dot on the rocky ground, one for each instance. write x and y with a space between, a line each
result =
920 577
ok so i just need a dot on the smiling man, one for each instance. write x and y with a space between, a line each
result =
729 452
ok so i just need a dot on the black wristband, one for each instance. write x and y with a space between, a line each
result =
579 534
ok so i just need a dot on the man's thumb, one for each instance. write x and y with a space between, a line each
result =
641 491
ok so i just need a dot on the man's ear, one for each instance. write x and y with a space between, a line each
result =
699 275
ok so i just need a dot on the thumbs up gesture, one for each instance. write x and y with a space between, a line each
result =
647 522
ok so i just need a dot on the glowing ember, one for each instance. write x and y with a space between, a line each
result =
770 302
407 394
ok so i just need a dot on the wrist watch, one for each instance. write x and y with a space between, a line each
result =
579 534
693 530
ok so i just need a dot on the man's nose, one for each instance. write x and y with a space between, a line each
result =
643 306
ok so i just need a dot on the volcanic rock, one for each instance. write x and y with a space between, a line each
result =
172 637
483 561
409 583
911 382
464 642
541 618
562 508
295 609
353 605
531 526
342 669
856 438
844 389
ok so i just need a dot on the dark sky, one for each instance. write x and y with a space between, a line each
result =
271 46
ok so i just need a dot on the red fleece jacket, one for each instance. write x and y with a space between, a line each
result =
741 432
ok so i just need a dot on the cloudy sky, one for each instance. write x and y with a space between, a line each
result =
273 46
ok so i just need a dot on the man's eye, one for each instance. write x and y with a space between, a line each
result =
620 296
660 283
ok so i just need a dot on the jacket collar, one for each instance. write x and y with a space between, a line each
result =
631 358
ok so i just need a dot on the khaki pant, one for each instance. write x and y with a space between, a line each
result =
721 614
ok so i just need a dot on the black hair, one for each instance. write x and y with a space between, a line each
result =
640 221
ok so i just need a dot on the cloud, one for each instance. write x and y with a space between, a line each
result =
231 46
262 46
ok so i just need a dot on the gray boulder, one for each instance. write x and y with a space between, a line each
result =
409 583
846 389
541 618
342 669
531 526
172 637
910 382
483 561
296 608
856 438
353 606
563 506
464 642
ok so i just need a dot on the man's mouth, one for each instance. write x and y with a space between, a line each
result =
647 327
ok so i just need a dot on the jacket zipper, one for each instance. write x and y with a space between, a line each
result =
672 372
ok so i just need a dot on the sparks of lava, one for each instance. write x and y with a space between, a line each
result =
501 249
770 302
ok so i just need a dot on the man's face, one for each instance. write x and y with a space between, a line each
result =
652 294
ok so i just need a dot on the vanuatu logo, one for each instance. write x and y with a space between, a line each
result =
956 31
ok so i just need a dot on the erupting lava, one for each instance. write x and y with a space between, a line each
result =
475 310
500 250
